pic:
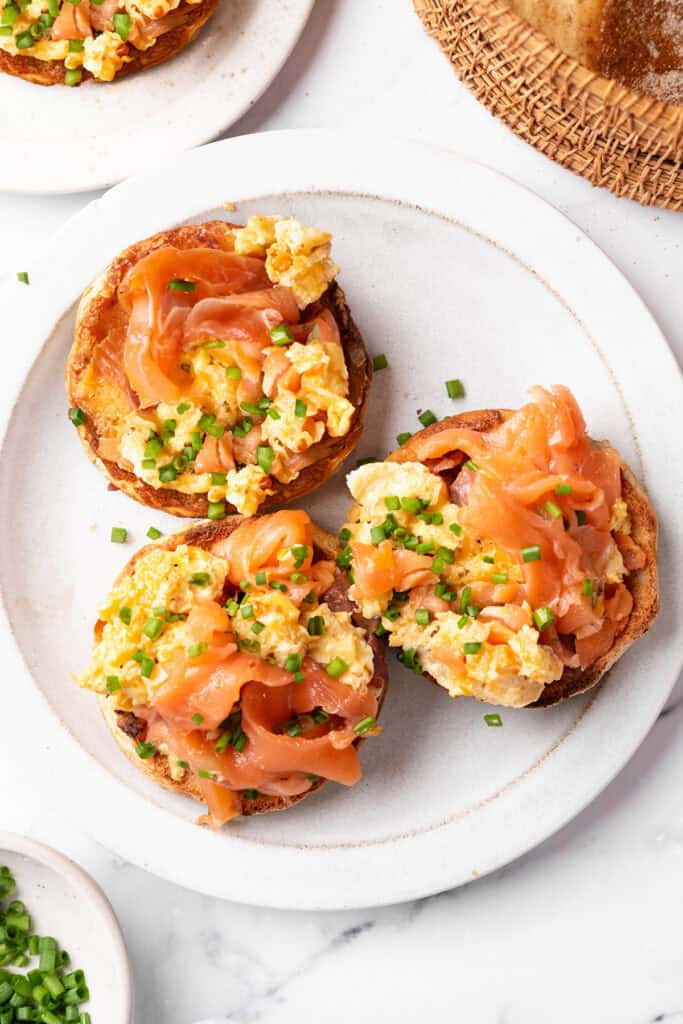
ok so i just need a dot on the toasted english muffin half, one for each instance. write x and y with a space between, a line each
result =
188 18
640 582
130 729
101 326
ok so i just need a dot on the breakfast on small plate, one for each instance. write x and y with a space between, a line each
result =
69 41
510 557
216 368
637 42
233 668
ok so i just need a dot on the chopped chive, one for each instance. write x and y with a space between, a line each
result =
427 417
145 750
563 489
146 666
168 473
247 611
300 409
488 559
153 447
119 535
298 577
200 579
380 362
493 720
113 684
462 621
265 456
587 588
423 616
153 533
77 417
531 554
216 510
472 466
553 510
22 275
176 285
392 503
183 764
446 555
122 23
214 343
277 585
153 628
337 667
24 41
465 598
281 335
402 438
408 657
425 547
233 373
411 505
580 517
198 719
293 662
454 388
365 725
456 528
183 407
125 614
472 648
222 743
196 650
499 577
316 625
204 774
543 617
258 627
377 535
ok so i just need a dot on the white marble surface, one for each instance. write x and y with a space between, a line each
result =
587 927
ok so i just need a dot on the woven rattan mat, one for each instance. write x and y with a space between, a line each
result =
628 142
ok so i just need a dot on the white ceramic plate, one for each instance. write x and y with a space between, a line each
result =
65 902
452 270
69 140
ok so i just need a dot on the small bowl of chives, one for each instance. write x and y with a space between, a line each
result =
62 951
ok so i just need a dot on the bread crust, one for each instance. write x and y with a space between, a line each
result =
642 583
99 311
51 72
156 768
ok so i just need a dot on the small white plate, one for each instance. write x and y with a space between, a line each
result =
58 139
65 902
452 271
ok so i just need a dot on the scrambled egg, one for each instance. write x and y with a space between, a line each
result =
160 587
160 579
511 674
296 256
104 55
340 638
324 384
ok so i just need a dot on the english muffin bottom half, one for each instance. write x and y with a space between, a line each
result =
232 667
217 369
510 557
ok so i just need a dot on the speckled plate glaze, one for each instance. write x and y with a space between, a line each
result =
56 139
452 270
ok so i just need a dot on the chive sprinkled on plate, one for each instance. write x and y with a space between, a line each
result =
380 362
493 720
119 534
22 276
153 533
454 388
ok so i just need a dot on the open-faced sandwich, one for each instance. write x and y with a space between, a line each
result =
511 557
217 368
68 41
233 668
